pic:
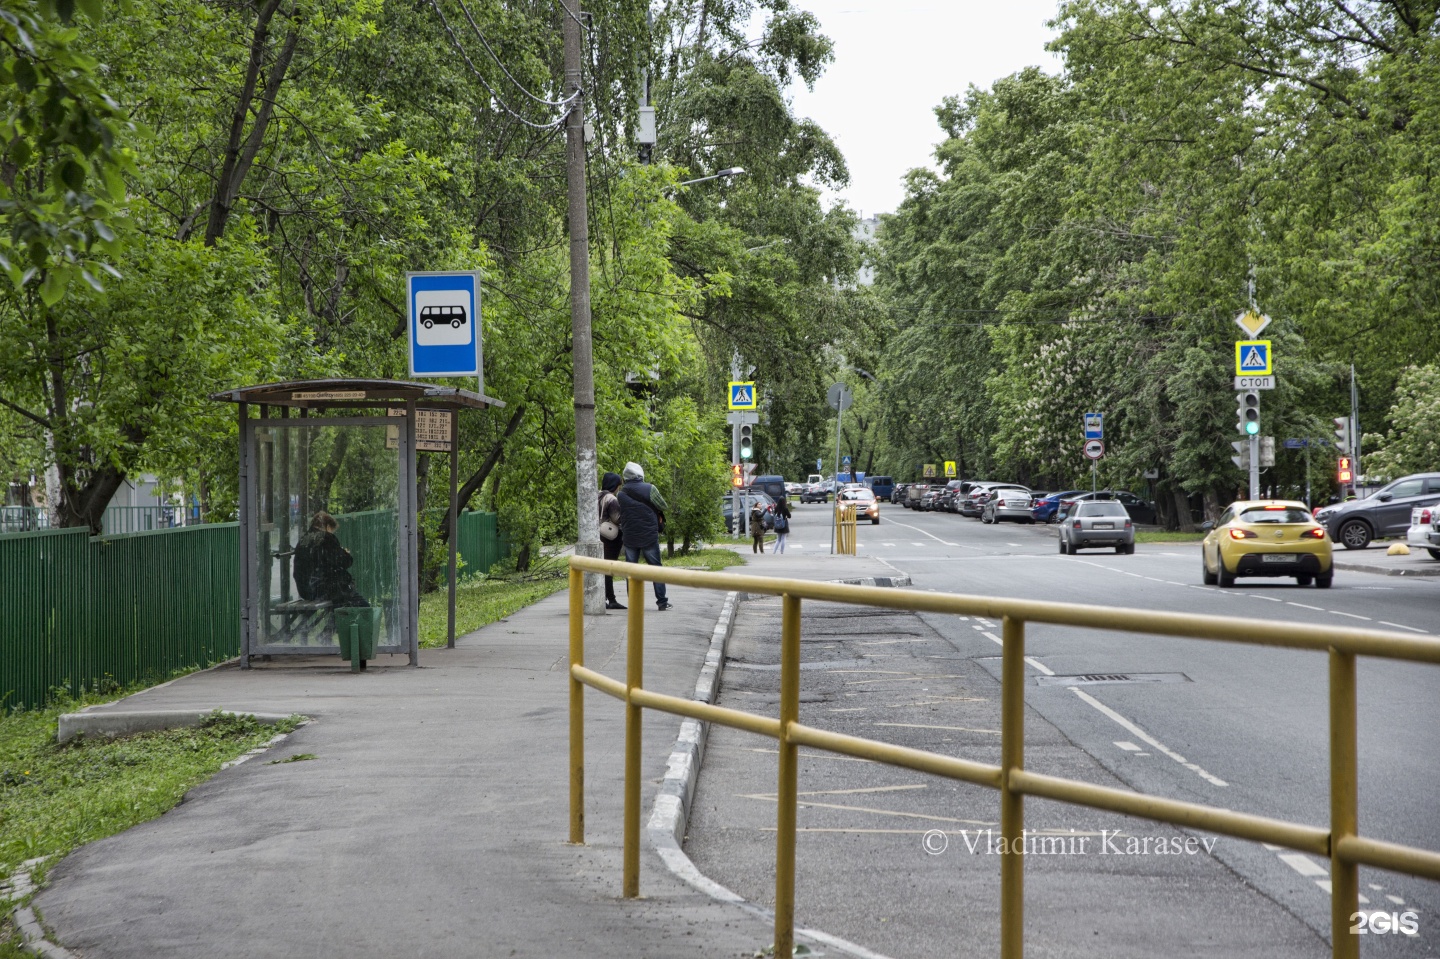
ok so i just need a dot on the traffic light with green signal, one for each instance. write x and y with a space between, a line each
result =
747 441
1247 403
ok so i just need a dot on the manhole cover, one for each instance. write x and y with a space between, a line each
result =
1099 679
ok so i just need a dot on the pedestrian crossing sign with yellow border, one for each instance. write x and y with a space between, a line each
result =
1254 358
742 396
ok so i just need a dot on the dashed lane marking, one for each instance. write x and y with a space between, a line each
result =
1402 626
1338 612
1143 736
1318 609
1302 864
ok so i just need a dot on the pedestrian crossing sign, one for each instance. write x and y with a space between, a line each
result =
742 396
1253 358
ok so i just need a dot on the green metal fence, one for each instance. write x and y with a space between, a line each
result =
77 611
80 611
480 543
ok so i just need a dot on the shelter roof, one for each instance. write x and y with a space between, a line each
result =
313 394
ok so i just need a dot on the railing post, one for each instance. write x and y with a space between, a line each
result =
1012 804
634 679
1344 800
786 793
577 707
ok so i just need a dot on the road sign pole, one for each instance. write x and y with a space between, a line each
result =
1254 465
839 424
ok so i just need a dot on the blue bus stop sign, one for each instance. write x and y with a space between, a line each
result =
444 323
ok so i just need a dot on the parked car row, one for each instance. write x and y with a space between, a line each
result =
993 502
1386 512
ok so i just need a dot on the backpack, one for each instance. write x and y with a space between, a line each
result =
781 524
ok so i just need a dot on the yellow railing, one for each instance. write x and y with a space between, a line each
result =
845 542
1339 843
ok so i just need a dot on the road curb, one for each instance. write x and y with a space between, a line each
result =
115 724
1386 571
670 813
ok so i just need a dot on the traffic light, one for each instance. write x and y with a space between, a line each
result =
747 441
1242 454
1343 471
1247 403
1342 433
737 475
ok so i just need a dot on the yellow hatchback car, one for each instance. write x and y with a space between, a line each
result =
1266 538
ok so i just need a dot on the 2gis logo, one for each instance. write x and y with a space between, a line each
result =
1380 923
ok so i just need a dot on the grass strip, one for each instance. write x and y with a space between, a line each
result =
55 798
1162 536
482 601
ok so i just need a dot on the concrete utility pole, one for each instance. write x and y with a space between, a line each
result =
587 540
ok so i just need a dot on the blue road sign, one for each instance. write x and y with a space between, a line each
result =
1094 426
743 396
844 461
818 467
444 323
1253 358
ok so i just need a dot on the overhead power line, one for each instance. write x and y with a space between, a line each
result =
459 48
499 63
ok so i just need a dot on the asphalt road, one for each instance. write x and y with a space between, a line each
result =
898 862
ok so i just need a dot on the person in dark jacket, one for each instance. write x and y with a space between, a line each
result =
781 523
642 517
610 523
322 565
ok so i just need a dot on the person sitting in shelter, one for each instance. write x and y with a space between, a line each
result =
322 565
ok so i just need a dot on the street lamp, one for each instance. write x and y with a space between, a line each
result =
731 171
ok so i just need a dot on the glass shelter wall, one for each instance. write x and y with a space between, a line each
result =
329 537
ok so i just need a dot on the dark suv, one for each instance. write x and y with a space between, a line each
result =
1386 512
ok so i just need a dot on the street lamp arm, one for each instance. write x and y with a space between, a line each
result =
729 172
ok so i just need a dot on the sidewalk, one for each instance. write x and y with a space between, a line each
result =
432 820
1374 560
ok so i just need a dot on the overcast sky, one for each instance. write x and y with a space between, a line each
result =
894 61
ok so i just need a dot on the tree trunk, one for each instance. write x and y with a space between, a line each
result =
1182 511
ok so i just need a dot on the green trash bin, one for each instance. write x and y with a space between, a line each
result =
357 623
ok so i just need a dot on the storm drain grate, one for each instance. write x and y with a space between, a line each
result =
1097 679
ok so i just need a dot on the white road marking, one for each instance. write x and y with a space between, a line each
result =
1403 626
1143 736
1396 900
1303 864
1318 609
1270 599
770 797
934 537
1127 746
918 544
1272 848
1338 612
1039 665
998 641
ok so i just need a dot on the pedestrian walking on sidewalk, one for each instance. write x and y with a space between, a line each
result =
642 518
610 531
757 528
781 523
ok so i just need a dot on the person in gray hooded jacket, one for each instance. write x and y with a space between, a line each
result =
610 522
642 517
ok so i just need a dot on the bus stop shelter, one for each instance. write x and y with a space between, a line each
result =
329 512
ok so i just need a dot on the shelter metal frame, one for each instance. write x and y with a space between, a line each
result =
359 395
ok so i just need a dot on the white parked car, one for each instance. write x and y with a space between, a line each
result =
1424 531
